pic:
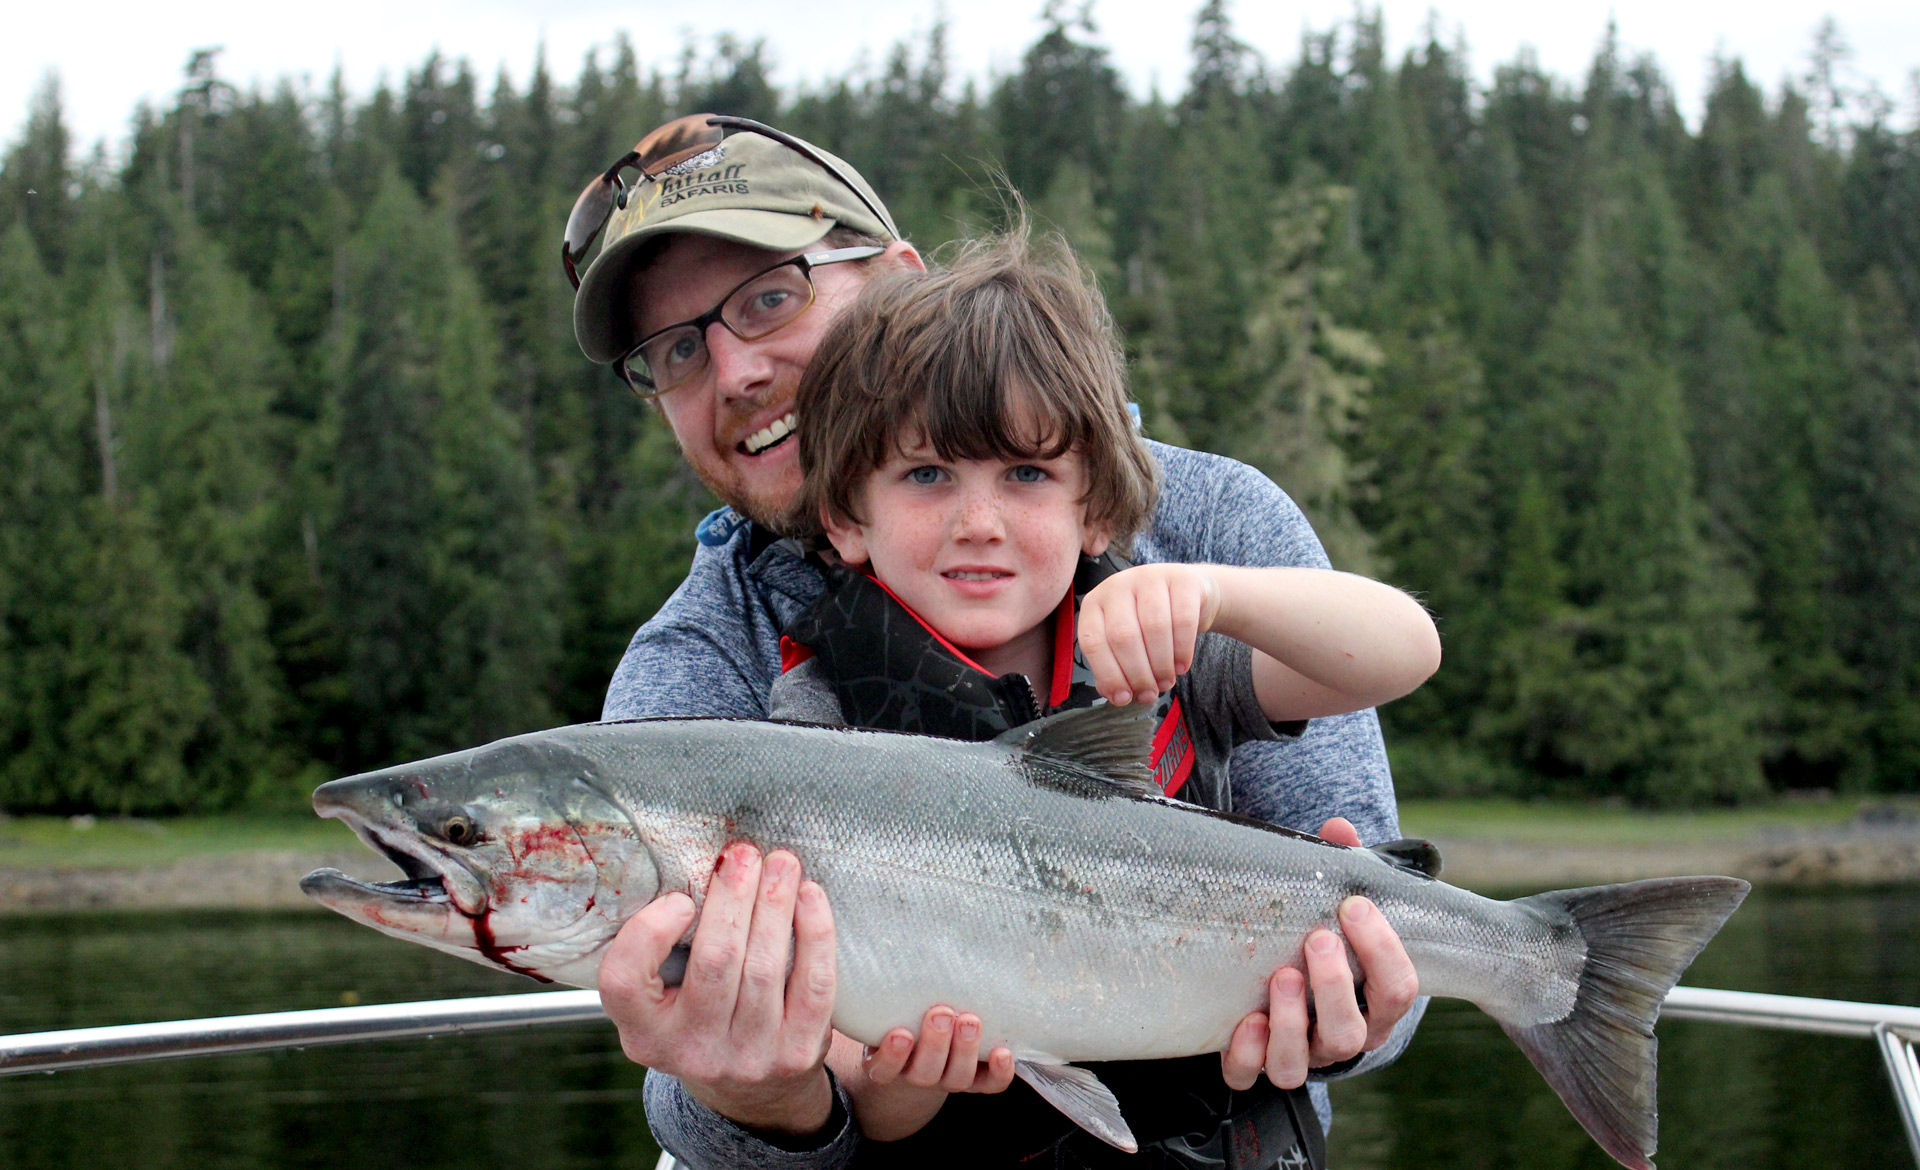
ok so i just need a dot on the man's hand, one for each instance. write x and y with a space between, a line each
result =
1282 1041
1138 628
899 1085
745 1035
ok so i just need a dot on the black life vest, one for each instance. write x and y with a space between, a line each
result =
891 670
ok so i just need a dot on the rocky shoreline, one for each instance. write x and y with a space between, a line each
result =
1848 856
1854 854
262 880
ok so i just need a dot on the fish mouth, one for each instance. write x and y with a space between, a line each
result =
432 878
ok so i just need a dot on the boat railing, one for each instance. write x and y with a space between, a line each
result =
1893 1028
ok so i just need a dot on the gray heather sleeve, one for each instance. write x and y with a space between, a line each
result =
1215 510
1219 511
1220 703
703 1140
705 653
803 695
673 669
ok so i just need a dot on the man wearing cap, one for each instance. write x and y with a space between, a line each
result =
721 268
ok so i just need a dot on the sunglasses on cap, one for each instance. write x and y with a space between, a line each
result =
660 151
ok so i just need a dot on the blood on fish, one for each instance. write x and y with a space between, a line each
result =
484 943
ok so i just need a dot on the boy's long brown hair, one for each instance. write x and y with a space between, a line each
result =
1005 352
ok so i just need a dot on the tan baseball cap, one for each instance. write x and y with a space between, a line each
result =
747 188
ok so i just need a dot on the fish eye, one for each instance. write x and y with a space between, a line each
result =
459 830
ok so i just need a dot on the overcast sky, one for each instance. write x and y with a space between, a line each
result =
109 55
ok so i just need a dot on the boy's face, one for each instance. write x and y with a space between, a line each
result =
982 549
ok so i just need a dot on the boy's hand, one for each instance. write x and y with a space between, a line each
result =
1138 628
902 1084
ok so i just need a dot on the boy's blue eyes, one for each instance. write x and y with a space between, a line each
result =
927 476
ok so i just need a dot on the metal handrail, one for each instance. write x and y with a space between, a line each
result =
127 1043
1893 1027
1897 1052
1794 1013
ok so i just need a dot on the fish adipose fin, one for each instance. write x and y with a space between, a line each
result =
1105 744
1080 1095
1411 854
1600 1058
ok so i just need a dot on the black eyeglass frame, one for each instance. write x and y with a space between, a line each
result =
643 386
678 141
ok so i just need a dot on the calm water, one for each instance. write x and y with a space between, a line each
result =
1463 1097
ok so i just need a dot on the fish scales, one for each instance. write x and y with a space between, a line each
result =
1035 880
1065 932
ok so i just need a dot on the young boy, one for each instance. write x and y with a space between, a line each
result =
970 458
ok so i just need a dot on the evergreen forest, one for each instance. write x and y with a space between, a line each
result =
305 474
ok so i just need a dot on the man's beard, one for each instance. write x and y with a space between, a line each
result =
771 515
772 519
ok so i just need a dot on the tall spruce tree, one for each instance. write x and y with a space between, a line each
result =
45 426
133 700
1875 508
1648 693
199 445
441 590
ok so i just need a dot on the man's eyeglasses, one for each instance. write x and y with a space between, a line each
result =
764 303
660 151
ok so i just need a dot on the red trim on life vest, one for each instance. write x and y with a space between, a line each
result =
1063 638
929 629
1172 756
1182 770
792 653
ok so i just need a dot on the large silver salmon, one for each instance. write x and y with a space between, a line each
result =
1038 880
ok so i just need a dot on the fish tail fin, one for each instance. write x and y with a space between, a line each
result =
1600 1057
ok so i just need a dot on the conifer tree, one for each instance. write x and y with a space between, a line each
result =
33 181
1304 376
432 554
1064 107
42 545
132 700
200 446
1654 703
1875 510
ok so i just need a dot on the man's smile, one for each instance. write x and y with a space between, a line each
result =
768 437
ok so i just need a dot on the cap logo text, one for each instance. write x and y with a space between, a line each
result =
719 181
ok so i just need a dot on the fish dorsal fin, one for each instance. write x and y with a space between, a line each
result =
1080 1095
1106 745
1411 853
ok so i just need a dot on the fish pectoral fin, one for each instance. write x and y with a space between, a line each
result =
1080 1095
